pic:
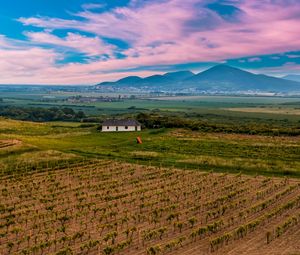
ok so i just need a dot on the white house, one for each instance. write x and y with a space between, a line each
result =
121 125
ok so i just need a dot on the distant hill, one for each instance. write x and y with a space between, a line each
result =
292 77
157 80
217 78
181 75
223 77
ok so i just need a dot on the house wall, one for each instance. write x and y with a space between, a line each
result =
120 128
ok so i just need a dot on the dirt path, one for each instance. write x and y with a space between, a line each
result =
8 143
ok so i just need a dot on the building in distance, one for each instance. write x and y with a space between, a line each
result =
121 125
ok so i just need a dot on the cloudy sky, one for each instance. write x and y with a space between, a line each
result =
86 42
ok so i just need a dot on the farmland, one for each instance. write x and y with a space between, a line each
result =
268 110
106 207
212 179
132 103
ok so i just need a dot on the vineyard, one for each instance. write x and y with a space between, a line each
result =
106 207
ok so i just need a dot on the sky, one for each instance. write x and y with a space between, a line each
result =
87 42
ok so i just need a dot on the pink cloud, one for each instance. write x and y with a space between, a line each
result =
25 63
279 71
165 33
91 6
293 56
92 46
255 59
275 57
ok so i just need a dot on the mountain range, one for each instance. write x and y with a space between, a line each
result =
217 78
292 77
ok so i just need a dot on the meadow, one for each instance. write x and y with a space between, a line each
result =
183 148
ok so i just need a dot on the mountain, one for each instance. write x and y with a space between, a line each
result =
218 78
223 77
168 77
150 81
130 80
292 77
180 76
155 80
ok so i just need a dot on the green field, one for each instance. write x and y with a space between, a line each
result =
54 142
220 144
220 105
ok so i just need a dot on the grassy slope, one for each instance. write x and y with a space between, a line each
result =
217 152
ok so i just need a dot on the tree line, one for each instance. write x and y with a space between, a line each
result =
154 120
41 114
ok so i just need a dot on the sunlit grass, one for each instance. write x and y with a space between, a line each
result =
179 147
